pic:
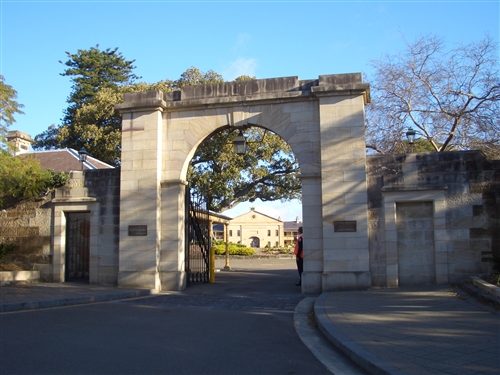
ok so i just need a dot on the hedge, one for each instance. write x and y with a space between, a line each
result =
234 249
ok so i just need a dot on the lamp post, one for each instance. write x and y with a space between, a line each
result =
239 143
82 155
410 135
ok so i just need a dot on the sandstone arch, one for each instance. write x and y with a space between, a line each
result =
323 122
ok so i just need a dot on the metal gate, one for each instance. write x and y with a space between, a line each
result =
77 246
198 240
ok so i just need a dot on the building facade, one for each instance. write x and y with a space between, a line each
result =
291 229
257 230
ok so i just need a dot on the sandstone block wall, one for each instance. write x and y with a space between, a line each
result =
104 184
28 226
32 226
431 217
466 223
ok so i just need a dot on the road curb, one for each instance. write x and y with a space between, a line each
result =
58 302
356 353
481 294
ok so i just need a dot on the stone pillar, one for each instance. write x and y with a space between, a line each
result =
173 242
344 194
313 234
140 223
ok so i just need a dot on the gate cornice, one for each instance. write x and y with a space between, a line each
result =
342 90
148 100
245 93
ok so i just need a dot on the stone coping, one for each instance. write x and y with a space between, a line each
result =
485 286
7 277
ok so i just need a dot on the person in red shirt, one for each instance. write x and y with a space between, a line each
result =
299 255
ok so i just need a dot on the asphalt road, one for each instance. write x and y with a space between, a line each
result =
242 324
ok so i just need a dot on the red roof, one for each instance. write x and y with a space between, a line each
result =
65 160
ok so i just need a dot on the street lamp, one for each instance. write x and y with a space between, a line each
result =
239 143
410 134
82 155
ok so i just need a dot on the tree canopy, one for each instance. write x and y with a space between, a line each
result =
94 69
268 170
450 98
8 106
89 121
24 178
100 78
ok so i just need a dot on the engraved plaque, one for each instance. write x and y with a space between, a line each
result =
137 230
344 226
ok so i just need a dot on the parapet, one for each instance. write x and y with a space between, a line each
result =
253 90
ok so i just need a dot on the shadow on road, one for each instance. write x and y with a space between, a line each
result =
261 276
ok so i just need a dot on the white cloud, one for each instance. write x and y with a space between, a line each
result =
241 66
242 43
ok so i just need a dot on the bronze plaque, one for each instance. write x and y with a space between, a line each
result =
345 226
137 230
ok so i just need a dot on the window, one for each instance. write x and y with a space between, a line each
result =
230 232
238 233
269 232
277 232
277 244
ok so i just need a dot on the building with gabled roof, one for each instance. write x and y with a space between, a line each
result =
65 160
255 229
61 160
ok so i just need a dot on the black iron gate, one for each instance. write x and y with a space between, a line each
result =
197 238
77 246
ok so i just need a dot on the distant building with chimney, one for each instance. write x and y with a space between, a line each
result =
60 160
20 141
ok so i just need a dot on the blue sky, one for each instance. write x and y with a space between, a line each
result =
259 38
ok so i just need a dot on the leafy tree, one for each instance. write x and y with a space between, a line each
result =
24 178
8 106
268 170
92 70
245 78
97 76
194 76
451 98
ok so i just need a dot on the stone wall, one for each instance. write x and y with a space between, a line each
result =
465 227
98 193
433 218
104 184
37 227
28 226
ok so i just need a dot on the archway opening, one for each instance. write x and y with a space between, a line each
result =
267 172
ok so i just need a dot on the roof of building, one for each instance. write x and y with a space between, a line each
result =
65 160
292 226
252 210
288 226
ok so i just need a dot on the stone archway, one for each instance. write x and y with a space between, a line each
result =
323 122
